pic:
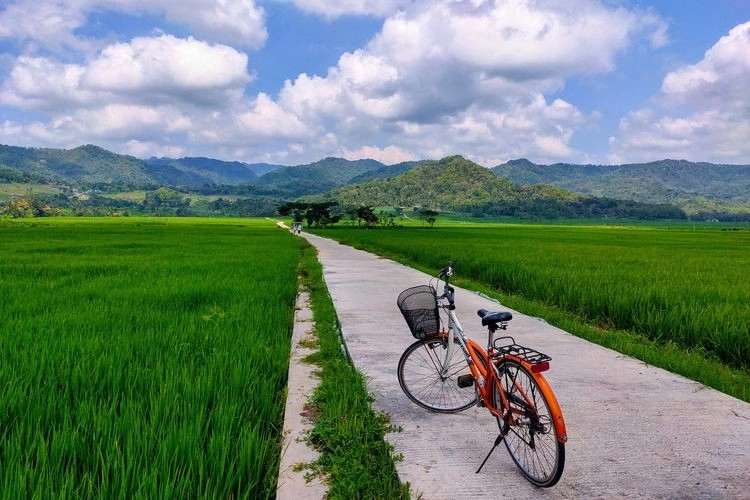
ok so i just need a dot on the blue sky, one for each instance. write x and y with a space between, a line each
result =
294 81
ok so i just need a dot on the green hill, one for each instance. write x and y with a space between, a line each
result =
457 184
198 170
317 177
446 184
85 164
453 183
92 165
694 187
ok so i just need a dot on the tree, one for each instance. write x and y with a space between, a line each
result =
367 215
19 208
388 219
319 214
316 214
295 209
429 215
165 200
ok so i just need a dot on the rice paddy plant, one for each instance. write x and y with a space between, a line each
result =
684 286
143 360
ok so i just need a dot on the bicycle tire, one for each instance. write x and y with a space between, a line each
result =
532 439
419 376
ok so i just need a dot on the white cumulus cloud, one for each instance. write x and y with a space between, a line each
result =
465 74
43 23
704 109
163 69
147 91
441 77
168 66
38 83
52 23
388 155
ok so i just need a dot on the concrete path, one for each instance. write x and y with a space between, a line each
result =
635 431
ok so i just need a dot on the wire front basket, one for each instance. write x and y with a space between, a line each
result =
419 307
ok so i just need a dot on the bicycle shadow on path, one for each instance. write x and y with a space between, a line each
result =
635 431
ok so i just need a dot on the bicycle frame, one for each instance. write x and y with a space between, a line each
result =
483 367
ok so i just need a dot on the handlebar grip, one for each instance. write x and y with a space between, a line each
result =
449 268
449 294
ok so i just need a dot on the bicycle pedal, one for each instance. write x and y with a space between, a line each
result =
465 380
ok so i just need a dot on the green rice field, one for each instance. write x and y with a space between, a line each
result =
7 191
680 286
147 357
143 358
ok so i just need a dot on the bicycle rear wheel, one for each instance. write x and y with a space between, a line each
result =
530 435
420 376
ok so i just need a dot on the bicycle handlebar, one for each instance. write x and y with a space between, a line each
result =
448 291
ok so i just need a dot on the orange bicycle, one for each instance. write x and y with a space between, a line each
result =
445 371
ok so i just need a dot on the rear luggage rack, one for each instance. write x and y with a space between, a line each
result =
505 346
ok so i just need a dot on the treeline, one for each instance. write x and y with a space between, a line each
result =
589 208
245 207
159 202
321 214
64 205
246 190
173 202
8 176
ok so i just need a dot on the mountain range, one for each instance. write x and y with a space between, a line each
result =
694 187
456 184
91 165
453 183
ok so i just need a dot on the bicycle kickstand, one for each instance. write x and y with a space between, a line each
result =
498 440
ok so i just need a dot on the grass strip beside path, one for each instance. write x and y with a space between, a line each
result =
355 459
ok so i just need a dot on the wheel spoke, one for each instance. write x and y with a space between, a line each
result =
420 374
530 438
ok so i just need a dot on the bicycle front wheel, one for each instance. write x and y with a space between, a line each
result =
423 379
527 424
